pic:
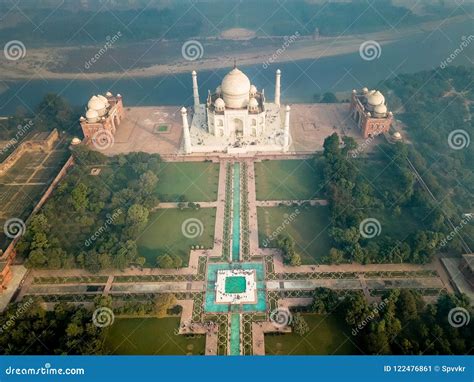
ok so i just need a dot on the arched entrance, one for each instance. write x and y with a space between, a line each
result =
238 126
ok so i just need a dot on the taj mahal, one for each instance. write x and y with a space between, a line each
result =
236 118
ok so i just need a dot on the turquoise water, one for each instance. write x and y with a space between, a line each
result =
235 334
210 305
236 215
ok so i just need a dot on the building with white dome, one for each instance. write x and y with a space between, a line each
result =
236 118
102 113
369 111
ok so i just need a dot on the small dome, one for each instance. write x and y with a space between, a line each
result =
103 99
235 89
95 103
365 90
219 103
253 89
397 135
108 94
253 103
75 141
92 115
375 98
380 109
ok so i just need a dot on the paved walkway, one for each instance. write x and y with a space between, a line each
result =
359 282
277 203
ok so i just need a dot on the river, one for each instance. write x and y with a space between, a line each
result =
300 79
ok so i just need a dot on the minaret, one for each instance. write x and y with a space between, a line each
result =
195 90
186 136
277 87
286 133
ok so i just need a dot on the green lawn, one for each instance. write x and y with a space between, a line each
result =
308 226
193 181
400 226
150 336
288 179
164 233
328 335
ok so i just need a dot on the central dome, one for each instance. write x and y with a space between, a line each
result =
235 89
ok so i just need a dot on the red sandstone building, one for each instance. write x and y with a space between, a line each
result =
369 111
103 113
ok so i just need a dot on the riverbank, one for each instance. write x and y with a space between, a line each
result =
45 63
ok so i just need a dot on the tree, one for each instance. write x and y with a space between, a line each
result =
300 326
79 197
147 182
349 143
163 303
328 97
177 261
331 145
164 261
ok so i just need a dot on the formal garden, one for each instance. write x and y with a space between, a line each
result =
308 226
291 179
187 181
174 232
151 336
